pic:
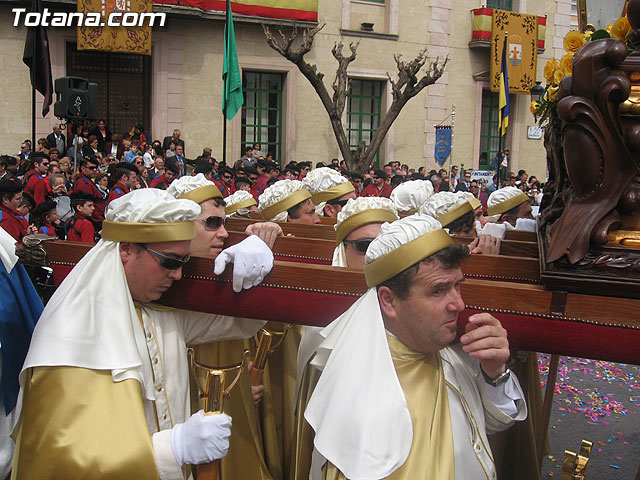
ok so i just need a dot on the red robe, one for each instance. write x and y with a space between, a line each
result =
372 191
48 229
13 223
117 191
42 192
81 231
160 183
33 178
86 185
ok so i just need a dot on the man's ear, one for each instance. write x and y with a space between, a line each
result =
330 210
388 302
127 251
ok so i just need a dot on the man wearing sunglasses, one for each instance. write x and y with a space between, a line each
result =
84 183
126 177
379 187
111 366
330 191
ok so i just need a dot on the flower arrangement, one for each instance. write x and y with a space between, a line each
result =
555 71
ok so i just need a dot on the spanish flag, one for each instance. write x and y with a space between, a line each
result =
503 100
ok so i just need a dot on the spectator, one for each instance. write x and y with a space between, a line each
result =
103 134
379 187
175 138
56 139
79 228
45 218
133 151
164 180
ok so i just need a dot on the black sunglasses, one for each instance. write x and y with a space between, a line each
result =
227 177
376 178
169 263
342 203
360 245
213 223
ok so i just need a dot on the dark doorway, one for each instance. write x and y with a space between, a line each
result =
124 85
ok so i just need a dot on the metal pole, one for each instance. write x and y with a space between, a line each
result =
224 137
453 127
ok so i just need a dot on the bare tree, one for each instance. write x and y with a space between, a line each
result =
406 86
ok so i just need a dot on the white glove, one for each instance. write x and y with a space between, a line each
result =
494 229
201 439
252 261
526 224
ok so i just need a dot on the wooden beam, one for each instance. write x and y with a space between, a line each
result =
323 220
316 294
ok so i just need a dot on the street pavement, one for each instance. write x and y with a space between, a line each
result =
600 402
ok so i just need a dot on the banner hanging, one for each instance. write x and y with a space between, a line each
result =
443 143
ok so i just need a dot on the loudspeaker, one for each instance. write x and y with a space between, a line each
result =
76 98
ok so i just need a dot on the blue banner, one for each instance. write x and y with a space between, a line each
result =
443 144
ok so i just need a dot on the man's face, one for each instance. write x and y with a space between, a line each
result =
332 209
134 148
291 175
474 188
129 181
54 169
226 178
159 163
304 171
512 181
388 169
57 130
364 234
306 214
454 171
525 210
426 320
147 280
179 150
24 148
357 183
169 176
209 241
42 167
13 203
90 170
138 162
54 155
245 187
176 134
467 177
86 209
379 181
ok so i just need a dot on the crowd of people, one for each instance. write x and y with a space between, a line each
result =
63 187
121 358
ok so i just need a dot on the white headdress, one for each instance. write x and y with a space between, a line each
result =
279 197
196 188
408 196
448 206
239 199
326 184
505 199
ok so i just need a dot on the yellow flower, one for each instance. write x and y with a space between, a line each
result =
587 36
608 29
573 41
533 108
566 64
552 92
558 75
621 29
549 70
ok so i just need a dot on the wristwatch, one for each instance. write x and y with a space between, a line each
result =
501 379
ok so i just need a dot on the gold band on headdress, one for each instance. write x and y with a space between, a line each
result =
246 203
148 232
475 203
455 213
508 204
332 193
203 193
365 217
286 203
406 255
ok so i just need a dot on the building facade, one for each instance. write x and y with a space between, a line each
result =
179 85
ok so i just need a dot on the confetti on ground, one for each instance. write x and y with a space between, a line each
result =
583 389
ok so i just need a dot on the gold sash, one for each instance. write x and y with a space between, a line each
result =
79 423
422 380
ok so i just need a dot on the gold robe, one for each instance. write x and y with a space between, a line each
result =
64 404
422 380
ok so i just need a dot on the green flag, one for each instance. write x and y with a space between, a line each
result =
232 98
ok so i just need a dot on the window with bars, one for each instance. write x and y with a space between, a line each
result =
501 4
489 136
262 112
364 99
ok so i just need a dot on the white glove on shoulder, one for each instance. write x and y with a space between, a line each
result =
494 229
201 439
252 261
526 224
